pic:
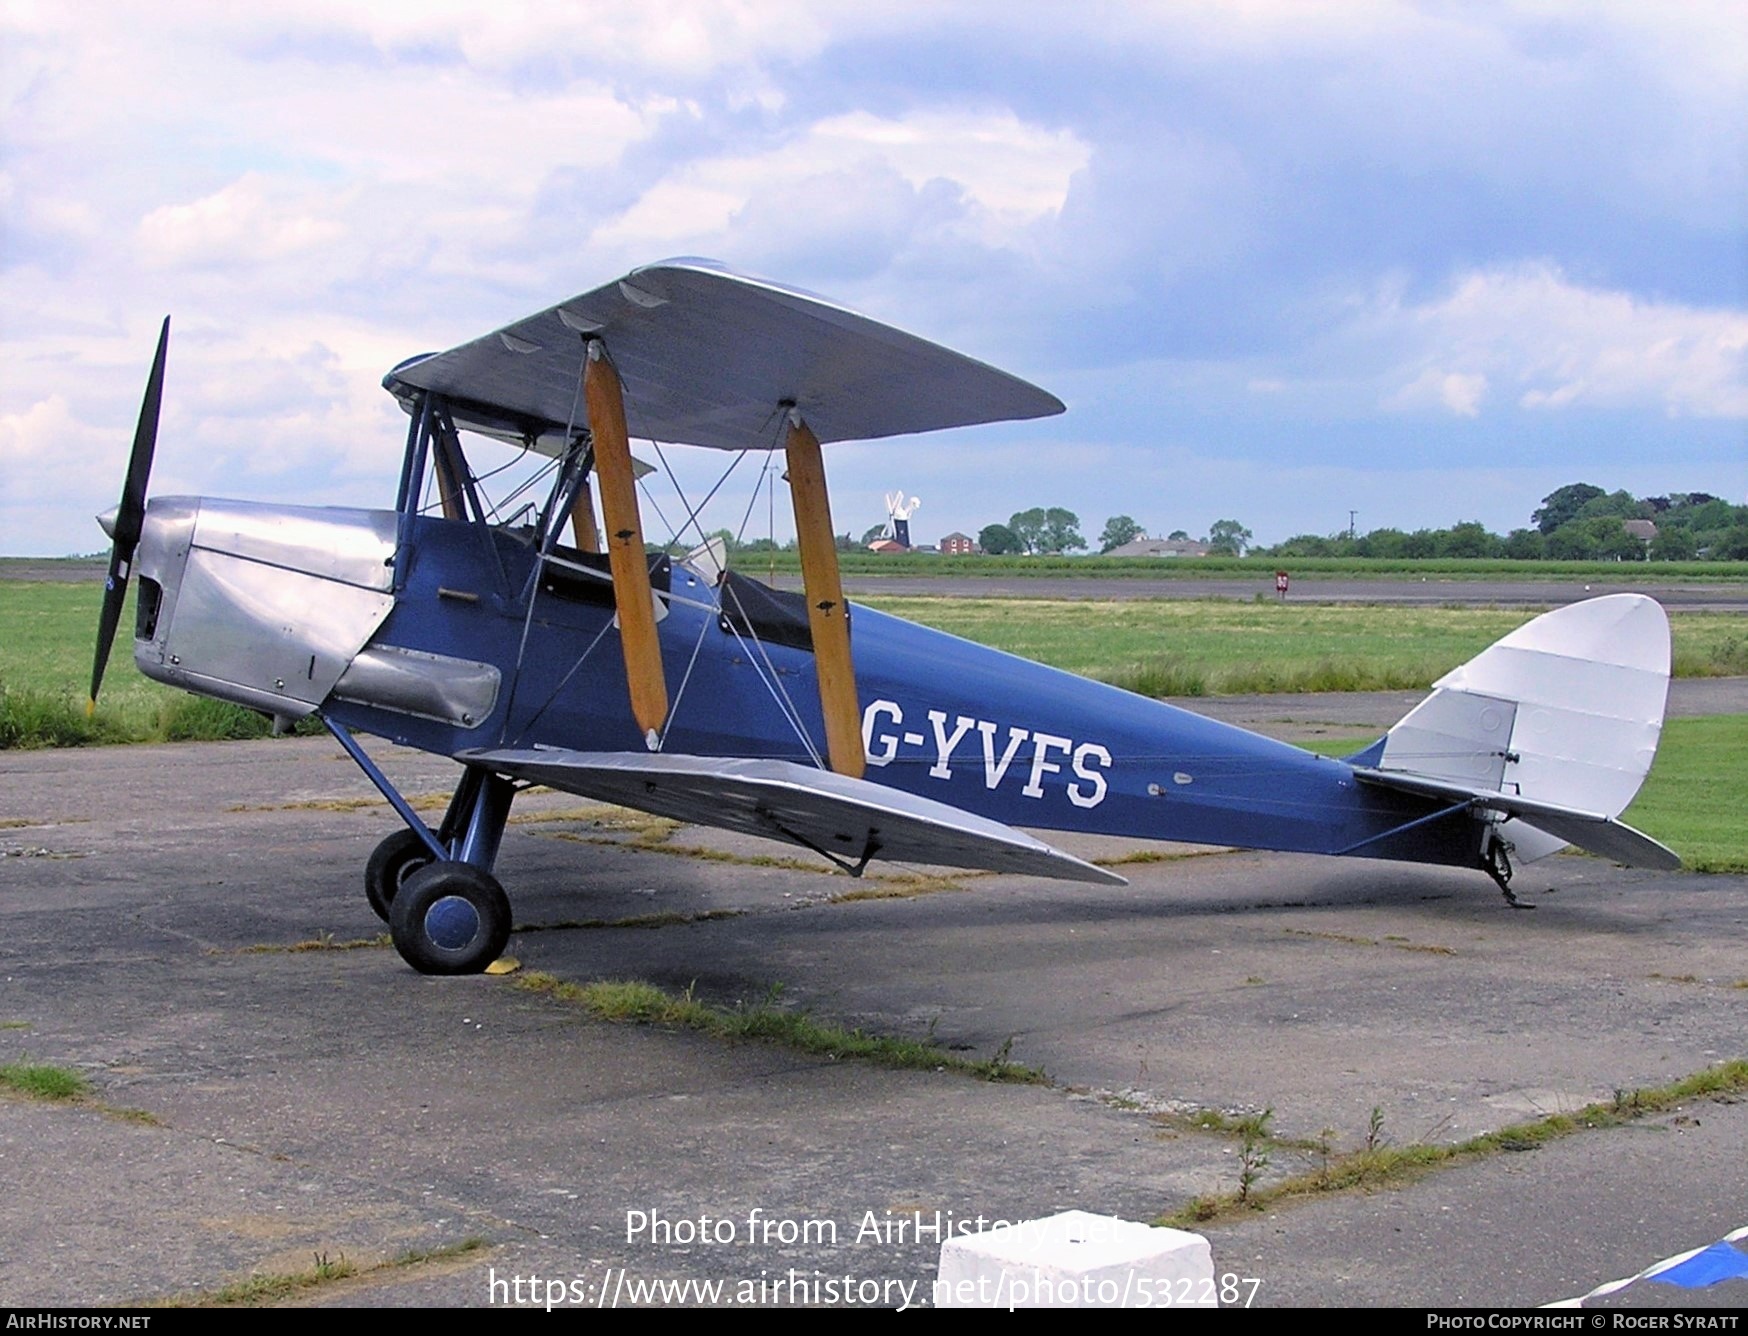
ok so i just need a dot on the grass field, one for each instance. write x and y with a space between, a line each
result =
1697 793
1212 648
47 634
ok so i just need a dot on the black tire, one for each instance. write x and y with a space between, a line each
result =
395 859
450 918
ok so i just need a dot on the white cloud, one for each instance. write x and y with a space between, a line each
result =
244 222
1015 171
1458 392
41 443
58 475
416 127
318 190
1639 106
1565 345
1005 173
676 37
269 134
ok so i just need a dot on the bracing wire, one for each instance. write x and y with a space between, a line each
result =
693 512
686 677
757 656
564 681
539 568
774 685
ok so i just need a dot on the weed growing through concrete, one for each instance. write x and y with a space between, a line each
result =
644 1003
326 1269
663 919
1379 1165
57 1085
1375 1130
41 1081
1253 1155
699 852
1159 856
324 942
255 1291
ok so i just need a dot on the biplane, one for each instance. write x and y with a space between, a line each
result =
554 646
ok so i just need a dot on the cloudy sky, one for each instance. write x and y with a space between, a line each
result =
1281 259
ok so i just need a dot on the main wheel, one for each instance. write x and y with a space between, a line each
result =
395 859
450 918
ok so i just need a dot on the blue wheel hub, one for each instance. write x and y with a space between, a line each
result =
452 922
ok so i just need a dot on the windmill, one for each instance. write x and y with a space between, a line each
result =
898 513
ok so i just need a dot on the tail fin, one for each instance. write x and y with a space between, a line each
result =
1553 729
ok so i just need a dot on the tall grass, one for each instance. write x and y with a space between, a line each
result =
646 1004
47 632
1164 677
31 718
1724 655
41 1081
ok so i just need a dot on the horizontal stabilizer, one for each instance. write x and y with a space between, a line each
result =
707 356
849 820
1599 833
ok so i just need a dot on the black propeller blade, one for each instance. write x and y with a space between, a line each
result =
130 514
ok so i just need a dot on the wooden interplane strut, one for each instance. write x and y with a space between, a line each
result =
827 616
583 520
638 637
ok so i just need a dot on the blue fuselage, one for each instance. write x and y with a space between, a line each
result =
942 718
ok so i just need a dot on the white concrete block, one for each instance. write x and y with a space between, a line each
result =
1076 1260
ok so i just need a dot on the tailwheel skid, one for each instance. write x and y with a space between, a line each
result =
1496 863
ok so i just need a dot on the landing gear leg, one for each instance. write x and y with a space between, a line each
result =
475 828
407 851
1496 863
446 912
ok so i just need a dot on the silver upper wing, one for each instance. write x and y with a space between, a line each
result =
706 356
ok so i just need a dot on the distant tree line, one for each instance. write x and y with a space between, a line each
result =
1038 532
1577 522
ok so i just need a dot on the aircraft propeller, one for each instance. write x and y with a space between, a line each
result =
124 523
